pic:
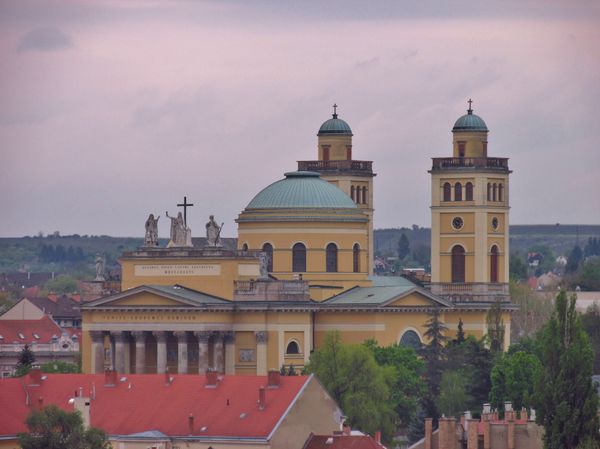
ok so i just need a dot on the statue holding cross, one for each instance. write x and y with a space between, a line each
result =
181 235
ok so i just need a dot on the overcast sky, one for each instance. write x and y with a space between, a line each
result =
111 111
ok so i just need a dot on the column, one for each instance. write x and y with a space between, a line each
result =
261 353
97 351
140 351
161 351
203 337
229 352
119 364
126 353
182 352
218 351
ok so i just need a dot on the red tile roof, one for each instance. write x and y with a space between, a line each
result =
146 402
44 328
341 442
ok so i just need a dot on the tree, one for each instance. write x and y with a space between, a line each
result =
517 267
434 356
453 398
357 383
589 277
495 325
53 428
513 378
534 310
26 359
403 247
61 284
59 366
408 387
590 322
574 259
565 397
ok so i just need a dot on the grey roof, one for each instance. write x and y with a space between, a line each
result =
301 190
384 290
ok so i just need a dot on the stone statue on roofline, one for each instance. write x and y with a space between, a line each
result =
151 238
213 233
181 235
100 265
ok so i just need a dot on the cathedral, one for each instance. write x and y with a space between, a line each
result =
303 267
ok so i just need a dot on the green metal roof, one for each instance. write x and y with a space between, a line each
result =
470 122
335 126
301 190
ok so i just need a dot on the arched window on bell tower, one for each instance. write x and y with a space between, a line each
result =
469 191
447 192
352 195
458 264
489 192
500 192
364 195
494 191
458 191
331 256
494 264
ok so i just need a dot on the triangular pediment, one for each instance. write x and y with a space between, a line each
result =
417 297
157 296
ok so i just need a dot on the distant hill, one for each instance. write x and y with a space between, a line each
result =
560 238
76 253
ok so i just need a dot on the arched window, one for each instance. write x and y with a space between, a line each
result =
458 191
364 195
469 192
500 189
299 258
489 192
494 264
331 263
410 339
268 250
357 199
292 348
447 192
352 193
458 264
245 247
356 258
494 189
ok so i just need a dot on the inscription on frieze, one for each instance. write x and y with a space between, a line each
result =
178 270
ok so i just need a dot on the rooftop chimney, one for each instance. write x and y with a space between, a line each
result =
274 378
110 378
428 429
40 403
347 430
261 398
378 436
83 405
191 424
211 379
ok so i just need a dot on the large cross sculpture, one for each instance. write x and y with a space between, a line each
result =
185 205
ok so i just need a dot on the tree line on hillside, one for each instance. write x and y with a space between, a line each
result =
393 388
58 253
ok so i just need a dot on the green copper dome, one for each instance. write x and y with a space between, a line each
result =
335 126
301 189
470 122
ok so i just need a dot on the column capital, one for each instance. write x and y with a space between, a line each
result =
161 336
118 334
181 336
202 336
217 336
139 336
229 337
261 336
97 336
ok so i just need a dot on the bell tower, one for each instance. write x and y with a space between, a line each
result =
336 165
469 217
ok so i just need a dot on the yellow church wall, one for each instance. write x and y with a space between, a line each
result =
474 143
213 276
337 146
146 299
414 299
468 222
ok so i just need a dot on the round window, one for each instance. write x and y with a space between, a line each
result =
495 223
457 223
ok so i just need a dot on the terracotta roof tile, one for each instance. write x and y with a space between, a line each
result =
44 328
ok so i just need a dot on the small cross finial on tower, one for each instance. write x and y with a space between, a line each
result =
470 110
335 110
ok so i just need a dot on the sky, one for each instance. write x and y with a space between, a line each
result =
110 111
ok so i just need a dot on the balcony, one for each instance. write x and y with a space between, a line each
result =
468 163
364 167
471 291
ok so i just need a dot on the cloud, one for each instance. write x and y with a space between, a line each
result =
44 39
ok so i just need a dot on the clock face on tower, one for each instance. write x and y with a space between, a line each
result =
495 223
457 223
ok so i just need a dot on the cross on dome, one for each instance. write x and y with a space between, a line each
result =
470 110
335 106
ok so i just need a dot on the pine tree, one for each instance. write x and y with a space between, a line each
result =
403 247
565 397
434 355
495 325
26 359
